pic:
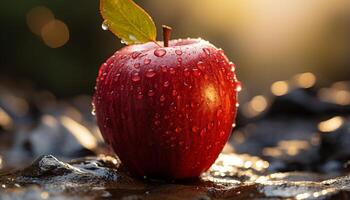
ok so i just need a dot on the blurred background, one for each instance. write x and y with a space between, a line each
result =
292 57
59 45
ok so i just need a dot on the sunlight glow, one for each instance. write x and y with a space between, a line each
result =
81 133
331 124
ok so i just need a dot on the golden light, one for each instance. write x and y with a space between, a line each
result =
286 147
37 17
331 124
334 95
5 121
55 33
0 162
255 106
279 88
258 103
342 97
81 133
305 80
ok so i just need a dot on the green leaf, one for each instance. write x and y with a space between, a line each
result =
128 21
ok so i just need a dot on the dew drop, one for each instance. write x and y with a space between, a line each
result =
178 129
178 52
203 132
174 92
172 70
166 83
210 125
233 125
233 66
139 95
137 65
151 93
157 122
195 129
238 86
147 61
104 25
186 72
206 51
132 37
201 65
218 113
162 98
222 133
179 59
123 42
136 77
159 52
196 72
150 73
164 68
237 105
135 54
116 78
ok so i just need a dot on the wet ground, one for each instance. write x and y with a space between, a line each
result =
291 144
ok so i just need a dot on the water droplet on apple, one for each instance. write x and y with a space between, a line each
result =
123 42
196 72
218 113
210 125
203 132
139 95
186 72
179 59
164 68
201 65
233 66
150 93
166 83
222 133
135 77
147 61
135 54
159 52
233 125
150 73
195 129
162 98
157 122
174 92
237 105
178 129
104 25
137 65
172 70
116 78
238 86
206 51
178 52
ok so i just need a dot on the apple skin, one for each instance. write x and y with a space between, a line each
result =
167 112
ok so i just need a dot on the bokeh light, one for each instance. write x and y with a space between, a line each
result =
331 124
279 88
55 34
38 17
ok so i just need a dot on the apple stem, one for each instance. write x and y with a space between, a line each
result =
166 34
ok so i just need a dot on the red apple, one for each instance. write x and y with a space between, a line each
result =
167 111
